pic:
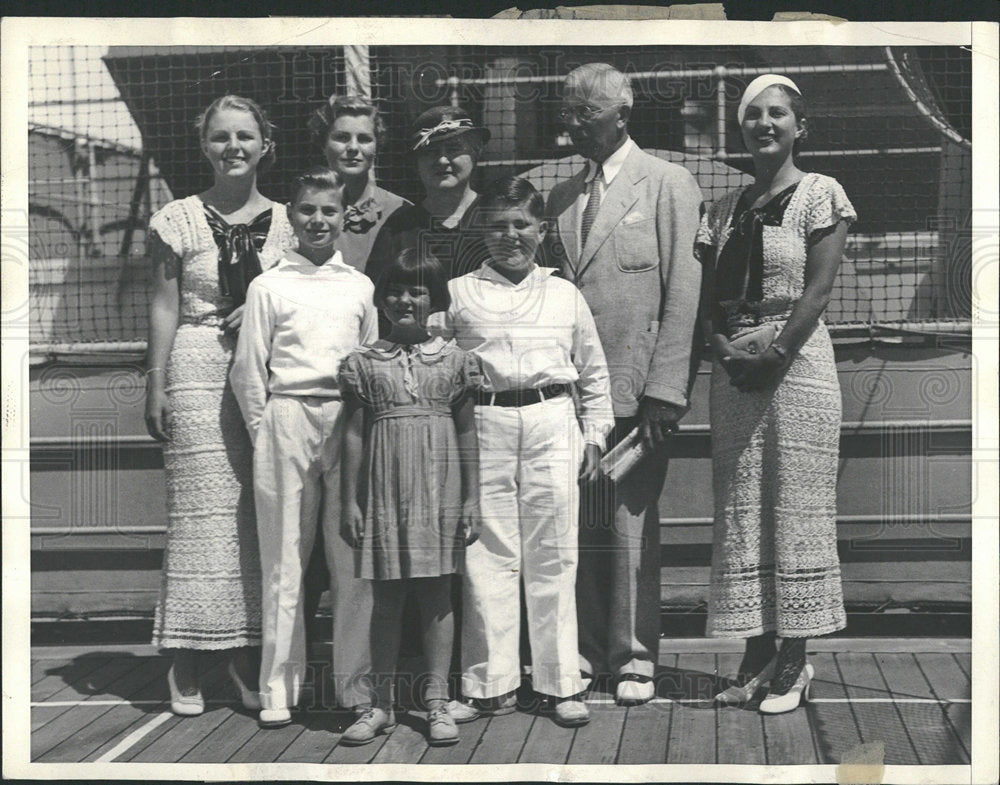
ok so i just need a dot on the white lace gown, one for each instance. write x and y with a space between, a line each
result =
775 452
211 584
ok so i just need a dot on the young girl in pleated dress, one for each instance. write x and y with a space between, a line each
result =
411 486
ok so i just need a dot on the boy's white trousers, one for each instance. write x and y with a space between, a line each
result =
529 459
297 486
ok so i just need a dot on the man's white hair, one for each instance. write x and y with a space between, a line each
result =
600 81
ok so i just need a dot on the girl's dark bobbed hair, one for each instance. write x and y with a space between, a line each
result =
415 268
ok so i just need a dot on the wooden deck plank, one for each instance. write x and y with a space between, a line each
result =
223 742
692 728
876 721
691 678
960 717
644 737
41 668
470 734
948 681
903 676
267 744
597 742
547 742
788 738
408 742
503 739
141 716
834 727
98 681
924 733
184 736
40 715
59 677
62 727
150 738
936 741
944 674
964 660
318 736
113 723
739 732
131 682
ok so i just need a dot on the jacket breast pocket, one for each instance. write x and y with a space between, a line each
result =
636 248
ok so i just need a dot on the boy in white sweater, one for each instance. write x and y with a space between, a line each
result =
302 318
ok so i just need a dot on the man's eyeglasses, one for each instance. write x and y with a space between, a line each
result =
583 113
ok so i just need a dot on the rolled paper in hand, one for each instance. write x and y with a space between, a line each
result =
623 457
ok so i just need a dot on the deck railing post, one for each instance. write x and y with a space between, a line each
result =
720 112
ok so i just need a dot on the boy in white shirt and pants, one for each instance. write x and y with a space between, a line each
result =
301 319
535 338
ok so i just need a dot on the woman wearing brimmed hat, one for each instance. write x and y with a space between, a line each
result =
446 144
771 252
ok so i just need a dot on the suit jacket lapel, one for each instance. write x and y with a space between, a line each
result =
566 218
619 197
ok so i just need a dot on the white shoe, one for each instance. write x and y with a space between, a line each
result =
274 718
369 725
571 712
183 705
249 698
441 728
474 708
737 696
779 704
634 690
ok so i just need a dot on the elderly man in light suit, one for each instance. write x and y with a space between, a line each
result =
627 222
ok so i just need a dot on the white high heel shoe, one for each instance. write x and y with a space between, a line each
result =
183 705
737 696
249 698
779 704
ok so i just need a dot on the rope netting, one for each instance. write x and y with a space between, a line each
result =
111 139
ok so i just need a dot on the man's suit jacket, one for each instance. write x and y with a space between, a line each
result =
638 274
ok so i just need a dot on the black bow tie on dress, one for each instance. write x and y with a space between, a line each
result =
238 245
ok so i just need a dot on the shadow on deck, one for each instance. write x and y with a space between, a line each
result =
110 704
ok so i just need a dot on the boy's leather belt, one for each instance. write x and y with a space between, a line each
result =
521 397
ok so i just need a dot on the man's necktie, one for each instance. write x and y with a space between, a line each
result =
593 205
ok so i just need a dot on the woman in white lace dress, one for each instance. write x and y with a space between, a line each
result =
771 252
205 248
